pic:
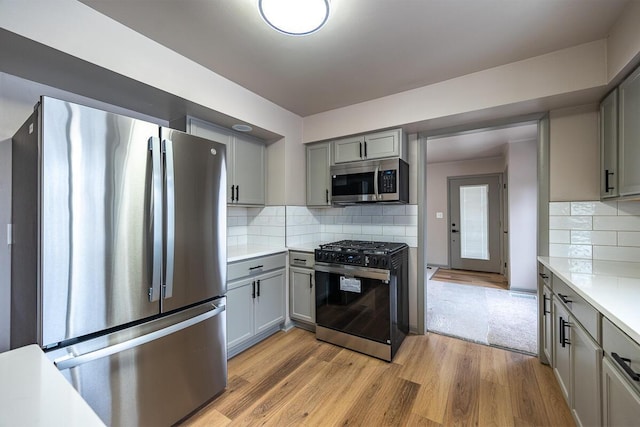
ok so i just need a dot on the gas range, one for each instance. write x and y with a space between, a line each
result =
359 253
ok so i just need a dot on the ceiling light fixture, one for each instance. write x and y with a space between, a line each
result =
240 127
295 17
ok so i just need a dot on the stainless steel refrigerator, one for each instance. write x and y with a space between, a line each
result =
119 259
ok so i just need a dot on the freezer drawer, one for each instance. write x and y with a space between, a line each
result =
176 365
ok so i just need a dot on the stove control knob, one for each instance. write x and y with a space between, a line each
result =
374 261
383 262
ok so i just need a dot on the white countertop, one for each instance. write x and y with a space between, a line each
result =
613 288
34 393
242 252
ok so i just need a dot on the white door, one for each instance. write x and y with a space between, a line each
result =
474 223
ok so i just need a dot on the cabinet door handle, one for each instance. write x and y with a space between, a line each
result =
232 195
361 150
565 299
544 276
563 335
626 365
606 180
365 149
310 280
258 287
237 193
327 195
544 305
253 289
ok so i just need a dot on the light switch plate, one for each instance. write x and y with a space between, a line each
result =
439 215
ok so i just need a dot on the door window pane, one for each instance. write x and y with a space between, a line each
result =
474 224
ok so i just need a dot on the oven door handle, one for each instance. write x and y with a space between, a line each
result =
346 270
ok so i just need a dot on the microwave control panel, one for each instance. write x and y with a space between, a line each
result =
388 181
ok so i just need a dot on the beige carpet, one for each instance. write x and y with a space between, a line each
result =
494 317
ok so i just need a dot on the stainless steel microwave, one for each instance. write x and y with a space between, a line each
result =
373 181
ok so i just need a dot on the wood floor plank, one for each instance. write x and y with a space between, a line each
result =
291 379
554 404
493 365
432 399
526 398
209 418
463 404
473 278
416 420
263 408
495 405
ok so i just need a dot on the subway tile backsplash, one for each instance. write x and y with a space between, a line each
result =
395 223
595 230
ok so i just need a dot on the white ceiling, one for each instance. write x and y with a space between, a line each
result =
478 144
369 48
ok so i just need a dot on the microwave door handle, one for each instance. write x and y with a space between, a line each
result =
375 182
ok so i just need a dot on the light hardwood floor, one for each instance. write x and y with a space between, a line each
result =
475 278
291 379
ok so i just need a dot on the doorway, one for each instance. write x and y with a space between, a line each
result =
496 317
474 223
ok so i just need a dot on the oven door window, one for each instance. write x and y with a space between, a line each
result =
353 184
365 314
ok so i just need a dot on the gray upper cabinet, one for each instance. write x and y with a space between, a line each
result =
609 146
629 135
245 162
349 149
248 171
318 179
389 143
383 144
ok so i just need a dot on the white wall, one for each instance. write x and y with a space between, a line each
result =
623 43
522 185
574 154
567 71
437 201
76 29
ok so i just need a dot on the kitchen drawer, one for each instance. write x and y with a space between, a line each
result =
545 275
616 341
255 266
301 259
580 309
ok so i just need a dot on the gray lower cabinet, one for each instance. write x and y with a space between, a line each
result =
301 286
255 301
547 324
318 178
620 402
586 357
302 292
620 377
562 348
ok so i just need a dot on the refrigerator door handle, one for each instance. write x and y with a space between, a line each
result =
170 217
71 361
156 155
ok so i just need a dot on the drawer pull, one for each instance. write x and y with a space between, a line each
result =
299 260
565 299
256 267
626 365
544 276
